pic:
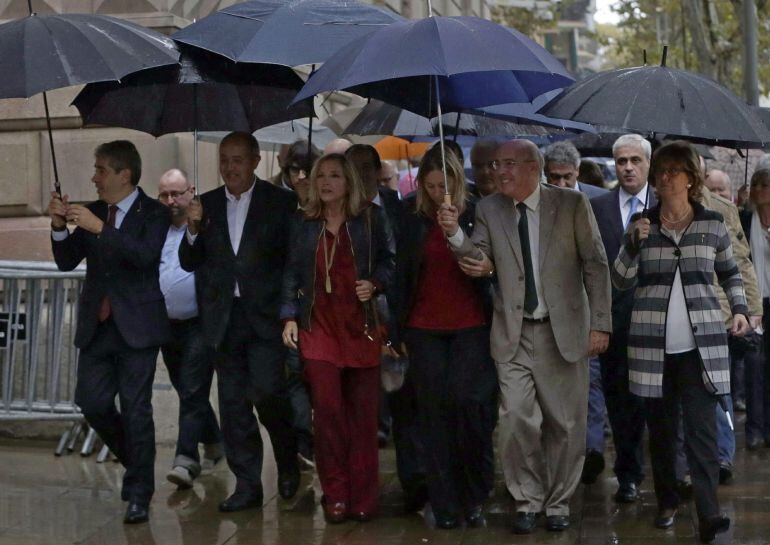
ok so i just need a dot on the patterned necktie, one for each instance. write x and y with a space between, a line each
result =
530 293
105 308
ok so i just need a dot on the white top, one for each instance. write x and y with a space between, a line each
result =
679 335
237 209
624 201
123 207
177 285
533 225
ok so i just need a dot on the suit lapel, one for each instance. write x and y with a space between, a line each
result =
616 219
549 203
251 230
508 219
133 216
219 214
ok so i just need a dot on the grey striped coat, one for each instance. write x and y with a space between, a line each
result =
704 249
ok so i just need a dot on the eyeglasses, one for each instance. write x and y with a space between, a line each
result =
670 172
173 194
509 164
555 176
295 170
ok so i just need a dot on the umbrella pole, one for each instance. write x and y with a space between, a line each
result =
57 185
447 195
195 160
310 122
457 127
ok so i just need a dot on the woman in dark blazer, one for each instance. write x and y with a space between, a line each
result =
341 254
444 322
677 344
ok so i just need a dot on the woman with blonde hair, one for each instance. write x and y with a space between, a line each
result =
444 322
341 255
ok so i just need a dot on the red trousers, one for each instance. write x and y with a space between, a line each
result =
345 404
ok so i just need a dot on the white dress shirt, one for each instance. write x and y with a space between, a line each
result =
679 335
123 207
237 210
533 226
624 201
177 285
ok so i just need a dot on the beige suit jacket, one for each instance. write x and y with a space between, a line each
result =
573 270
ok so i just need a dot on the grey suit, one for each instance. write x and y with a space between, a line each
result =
542 367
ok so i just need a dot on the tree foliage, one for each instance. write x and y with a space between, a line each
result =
704 36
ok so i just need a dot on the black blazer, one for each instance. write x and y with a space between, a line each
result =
377 250
607 212
257 268
394 210
122 264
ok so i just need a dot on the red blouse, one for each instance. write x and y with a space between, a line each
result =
446 298
336 332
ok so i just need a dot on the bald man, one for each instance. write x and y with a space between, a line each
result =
550 314
338 145
187 359
719 182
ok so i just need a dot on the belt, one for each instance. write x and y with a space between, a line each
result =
543 320
173 321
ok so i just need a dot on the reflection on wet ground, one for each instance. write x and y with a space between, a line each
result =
47 500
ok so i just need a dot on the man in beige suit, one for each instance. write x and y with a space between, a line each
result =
551 311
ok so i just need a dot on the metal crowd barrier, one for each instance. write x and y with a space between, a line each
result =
38 360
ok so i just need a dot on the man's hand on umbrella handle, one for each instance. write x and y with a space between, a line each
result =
638 231
740 326
194 216
755 321
364 290
84 218
57 209
477 267
290 334
447 219
598 341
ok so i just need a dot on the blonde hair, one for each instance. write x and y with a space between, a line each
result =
455 175
354 200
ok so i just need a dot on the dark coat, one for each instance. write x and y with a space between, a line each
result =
258 266
298 293
123 265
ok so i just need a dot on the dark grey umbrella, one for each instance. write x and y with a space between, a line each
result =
657 100
44 52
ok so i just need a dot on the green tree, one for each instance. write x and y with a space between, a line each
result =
704 36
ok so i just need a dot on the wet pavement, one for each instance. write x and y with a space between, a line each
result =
47 500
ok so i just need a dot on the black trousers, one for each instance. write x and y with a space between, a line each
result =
300 404
455 384
407 438
683 383
108 367
758 385
626 414
190 367
251 374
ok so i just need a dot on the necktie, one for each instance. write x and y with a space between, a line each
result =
530 293
105 308
633 204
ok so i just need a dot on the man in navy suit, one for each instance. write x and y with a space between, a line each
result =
613 211
122 318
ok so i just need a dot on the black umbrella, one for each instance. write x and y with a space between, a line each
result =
204 92
657 100
44 52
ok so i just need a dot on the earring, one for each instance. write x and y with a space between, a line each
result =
689 186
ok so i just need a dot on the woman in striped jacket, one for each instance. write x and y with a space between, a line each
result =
677 345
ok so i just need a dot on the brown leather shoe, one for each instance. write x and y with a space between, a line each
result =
334 513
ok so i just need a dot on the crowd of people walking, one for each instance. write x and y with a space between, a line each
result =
531 303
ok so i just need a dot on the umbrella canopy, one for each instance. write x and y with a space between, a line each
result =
286 132
290 33
469 62
662 100
199 94
43 52
392 147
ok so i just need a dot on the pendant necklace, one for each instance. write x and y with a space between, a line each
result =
328 262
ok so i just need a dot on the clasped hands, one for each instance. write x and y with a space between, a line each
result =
62 212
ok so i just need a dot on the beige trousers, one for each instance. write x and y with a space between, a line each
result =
542 428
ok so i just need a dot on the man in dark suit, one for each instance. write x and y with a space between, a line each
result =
236 242
121 315
613 211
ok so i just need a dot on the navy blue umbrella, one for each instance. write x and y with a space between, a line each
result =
466 61
291 33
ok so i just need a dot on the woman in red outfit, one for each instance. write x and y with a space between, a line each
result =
444 319
342 254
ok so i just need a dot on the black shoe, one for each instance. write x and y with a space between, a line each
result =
524 523
556 523
753 444
710 527
446 521
725 473
683 489
136 513
665 519
593 465
474 517
240 501
288 482
415 498
627 493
